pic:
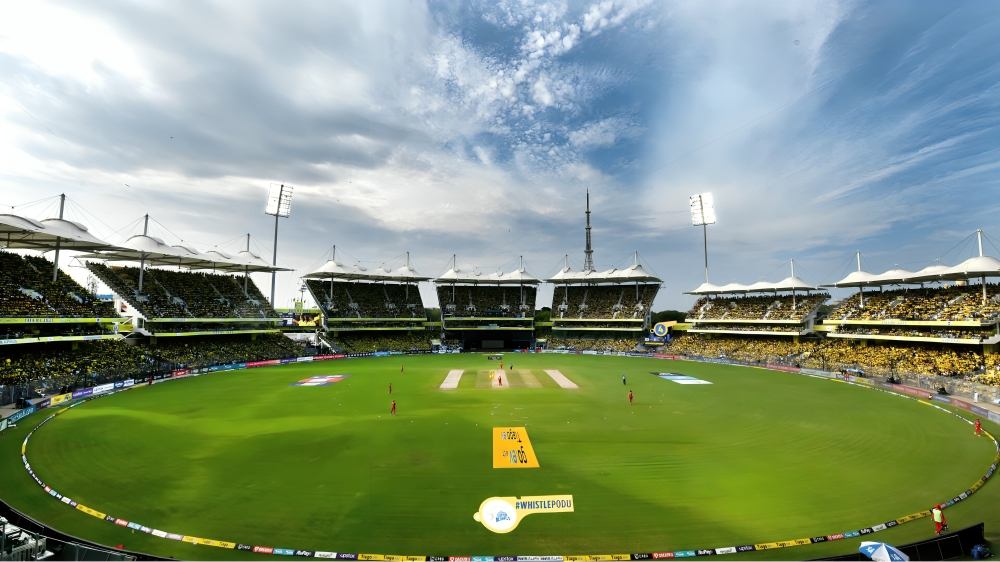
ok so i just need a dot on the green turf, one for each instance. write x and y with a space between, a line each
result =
757 456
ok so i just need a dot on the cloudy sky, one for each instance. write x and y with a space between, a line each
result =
475 127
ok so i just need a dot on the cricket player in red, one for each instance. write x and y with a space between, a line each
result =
499 380
979 427
630 397
940 523
393 410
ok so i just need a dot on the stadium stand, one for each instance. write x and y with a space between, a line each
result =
176 294
604 301
55 366
361 342
27 290
194 352
875 358
748 349
951 303
487 301
592 344
367 300
757 307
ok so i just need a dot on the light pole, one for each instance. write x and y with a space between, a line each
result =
703 214
279 204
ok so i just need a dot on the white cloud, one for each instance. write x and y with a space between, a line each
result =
604 132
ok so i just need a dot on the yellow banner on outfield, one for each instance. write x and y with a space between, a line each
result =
766 546
60 398
512 448
91 512
364 556
404 558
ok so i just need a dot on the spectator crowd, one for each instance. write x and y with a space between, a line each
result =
27 290
371 342
956 302
53 366
592 344
873 357
626 301
185 294
757 307
367 299
487 301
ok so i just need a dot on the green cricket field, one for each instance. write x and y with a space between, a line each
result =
253 457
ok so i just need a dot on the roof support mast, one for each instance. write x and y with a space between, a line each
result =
142 259
794 306
333 258
55 262
246 270
979 239
861 289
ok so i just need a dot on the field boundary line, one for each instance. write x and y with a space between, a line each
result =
268 550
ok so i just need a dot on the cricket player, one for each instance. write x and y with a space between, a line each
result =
630 397
392 411
979 427
390 388
940 523
623 381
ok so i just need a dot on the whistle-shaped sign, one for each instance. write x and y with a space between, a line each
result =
504 514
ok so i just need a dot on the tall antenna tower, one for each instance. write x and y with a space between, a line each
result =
588 253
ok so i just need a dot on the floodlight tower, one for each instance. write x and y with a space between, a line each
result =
703 214
279 204
588 252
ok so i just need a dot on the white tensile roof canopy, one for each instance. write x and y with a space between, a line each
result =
635 273
22 233
155 252
979 266
336 271
458 276
786 284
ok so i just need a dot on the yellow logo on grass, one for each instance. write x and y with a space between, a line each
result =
512 448
504 514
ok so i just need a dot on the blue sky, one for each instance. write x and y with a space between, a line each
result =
475 127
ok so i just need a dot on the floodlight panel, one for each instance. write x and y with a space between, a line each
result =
279 201
702 209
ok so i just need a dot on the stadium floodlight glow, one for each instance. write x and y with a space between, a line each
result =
279 204
279 201
703 214
702 209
